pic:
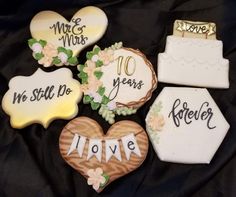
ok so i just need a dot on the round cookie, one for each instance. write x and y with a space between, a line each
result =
116 80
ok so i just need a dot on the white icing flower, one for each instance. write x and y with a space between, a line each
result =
97 98
111 105
37 48
95 58
63 57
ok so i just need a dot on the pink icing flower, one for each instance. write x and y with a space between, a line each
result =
91 68
85 89
156 122
106 56
95 178
63 57
49 51
93 83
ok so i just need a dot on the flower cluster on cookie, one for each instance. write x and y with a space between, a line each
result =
92 87
47 54
97 178
155 121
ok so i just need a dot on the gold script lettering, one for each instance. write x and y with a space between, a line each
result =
126 65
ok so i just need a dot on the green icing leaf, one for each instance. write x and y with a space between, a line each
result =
43 43
56 60
83 75
95 105
31 42
81 67
89 55
69 53
61 49
98 74
72 61
38 56
105 100
96 50
101 90
99 63
87 99
106 179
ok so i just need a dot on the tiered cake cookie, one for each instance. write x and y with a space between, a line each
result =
193 57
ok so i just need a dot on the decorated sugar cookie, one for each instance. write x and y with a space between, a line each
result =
101 158
116 80
41 98
185 125
57 41
193 57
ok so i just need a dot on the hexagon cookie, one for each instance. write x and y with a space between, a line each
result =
185 125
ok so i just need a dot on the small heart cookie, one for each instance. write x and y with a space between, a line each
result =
57 41
101 158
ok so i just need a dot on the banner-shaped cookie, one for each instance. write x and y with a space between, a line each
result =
116 80
57 41
185 125
42 97
101 158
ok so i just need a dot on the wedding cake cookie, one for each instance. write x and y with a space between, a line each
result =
194 57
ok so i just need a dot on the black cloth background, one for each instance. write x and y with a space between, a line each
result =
30 162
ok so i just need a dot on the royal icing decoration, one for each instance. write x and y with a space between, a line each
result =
185 125
57 42
41 98
194 57
116 80
101 158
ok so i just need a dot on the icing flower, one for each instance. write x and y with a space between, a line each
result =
49 51
37 48
93 83
63 57
96 97
91 68
95 177
95 58
156 122
106 56
111 105
85 89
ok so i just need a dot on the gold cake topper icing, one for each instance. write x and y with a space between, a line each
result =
192 29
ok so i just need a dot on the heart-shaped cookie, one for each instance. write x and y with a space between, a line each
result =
85 28
101 158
